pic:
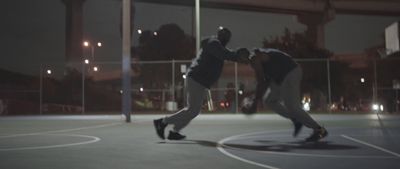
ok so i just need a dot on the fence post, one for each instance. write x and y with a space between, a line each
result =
173 80
83 87
236 89
329 83
375 85
40 90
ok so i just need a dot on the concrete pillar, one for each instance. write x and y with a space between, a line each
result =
73 32
315 28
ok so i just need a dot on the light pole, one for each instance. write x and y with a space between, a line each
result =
92 48
127 16
88 44
48 71
86 62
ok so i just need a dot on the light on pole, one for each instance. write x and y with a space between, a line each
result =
88 44
83 84
41 76
86 62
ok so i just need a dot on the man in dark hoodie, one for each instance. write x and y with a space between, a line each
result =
204 71
276 70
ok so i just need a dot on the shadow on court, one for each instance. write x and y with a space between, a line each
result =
267 145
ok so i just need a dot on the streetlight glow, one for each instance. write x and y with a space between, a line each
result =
375 107
86 43
99 44
86 61
95 69
49 72
155 33
139 31
141 89
306 106
220 27
362 80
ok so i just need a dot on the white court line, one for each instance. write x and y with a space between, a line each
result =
303 154
371 145
93 140
246 136
325 156
222 150
61 131
68 130
220 146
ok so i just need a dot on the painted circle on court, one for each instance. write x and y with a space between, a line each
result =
45 141
281 143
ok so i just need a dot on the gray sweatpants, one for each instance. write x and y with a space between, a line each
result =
195 93
285 99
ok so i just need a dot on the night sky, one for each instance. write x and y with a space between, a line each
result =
32 32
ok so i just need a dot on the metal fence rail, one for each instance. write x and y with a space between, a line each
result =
158 85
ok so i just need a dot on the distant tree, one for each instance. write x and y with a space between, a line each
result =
169 43
297 45
341 80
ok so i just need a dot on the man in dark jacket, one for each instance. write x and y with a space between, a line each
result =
204 71
277 71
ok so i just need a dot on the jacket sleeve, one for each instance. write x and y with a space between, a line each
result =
262 83
216 49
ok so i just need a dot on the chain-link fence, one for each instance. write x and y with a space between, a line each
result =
159 87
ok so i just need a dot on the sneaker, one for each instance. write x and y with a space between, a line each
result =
297 127
317 135
175 136
159 125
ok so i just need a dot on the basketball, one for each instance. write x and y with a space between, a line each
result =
246 106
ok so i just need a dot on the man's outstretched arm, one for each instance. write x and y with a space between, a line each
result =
219 51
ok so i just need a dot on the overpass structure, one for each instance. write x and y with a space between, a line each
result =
364 7
313 13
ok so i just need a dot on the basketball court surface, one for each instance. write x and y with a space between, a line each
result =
213 141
